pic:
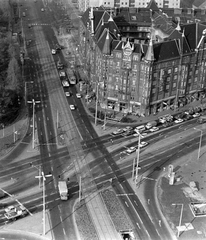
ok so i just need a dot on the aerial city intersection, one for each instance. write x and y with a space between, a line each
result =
102 132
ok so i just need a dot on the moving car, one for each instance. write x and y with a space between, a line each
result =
143 144
72 107
130 150
68 94
78 95
179 120
196 115
118 131
53 51
153 129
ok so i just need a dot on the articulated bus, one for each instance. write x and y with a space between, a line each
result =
71 77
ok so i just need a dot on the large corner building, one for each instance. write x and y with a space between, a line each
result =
144 60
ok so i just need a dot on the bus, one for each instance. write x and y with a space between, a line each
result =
71 76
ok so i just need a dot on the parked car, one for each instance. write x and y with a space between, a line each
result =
72 107
118 131
53 51
78 95
153 129
179 120
68 94
130 150
65 83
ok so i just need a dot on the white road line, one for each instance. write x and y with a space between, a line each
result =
126 204
138 225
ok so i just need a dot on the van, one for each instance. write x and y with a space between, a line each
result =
140 128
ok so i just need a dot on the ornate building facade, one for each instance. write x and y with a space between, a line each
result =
143 76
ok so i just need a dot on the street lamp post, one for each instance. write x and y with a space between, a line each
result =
182 205
43 176
136 165
200 143
33 102
25 91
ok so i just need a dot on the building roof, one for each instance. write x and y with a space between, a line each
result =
153 5
105 42
166 50
182 41
110 25
100 16
193 33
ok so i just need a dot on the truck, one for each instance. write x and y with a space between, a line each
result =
63 190
201 119
151 124
14 212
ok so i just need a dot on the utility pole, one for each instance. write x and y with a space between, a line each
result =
33 102
25 91
97 99
43 176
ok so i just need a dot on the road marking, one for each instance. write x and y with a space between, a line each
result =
138 225
124 194
126 204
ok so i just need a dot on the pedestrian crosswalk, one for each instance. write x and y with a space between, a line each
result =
39 24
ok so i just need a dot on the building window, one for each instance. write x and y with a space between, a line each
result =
155 75
195 79
117 71
118 64
153 83
154 90
175 77
116 87
174 85
169 71
123 97
167 86
133 82
125 82
168 78
133 89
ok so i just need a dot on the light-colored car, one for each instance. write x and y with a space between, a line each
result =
196 115
53 51
68 94
130 150
10 209
78 95
154 129
72 107
143 144
62 74
118 131
65 83
179 120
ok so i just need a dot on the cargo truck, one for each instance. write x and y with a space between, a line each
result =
63 190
